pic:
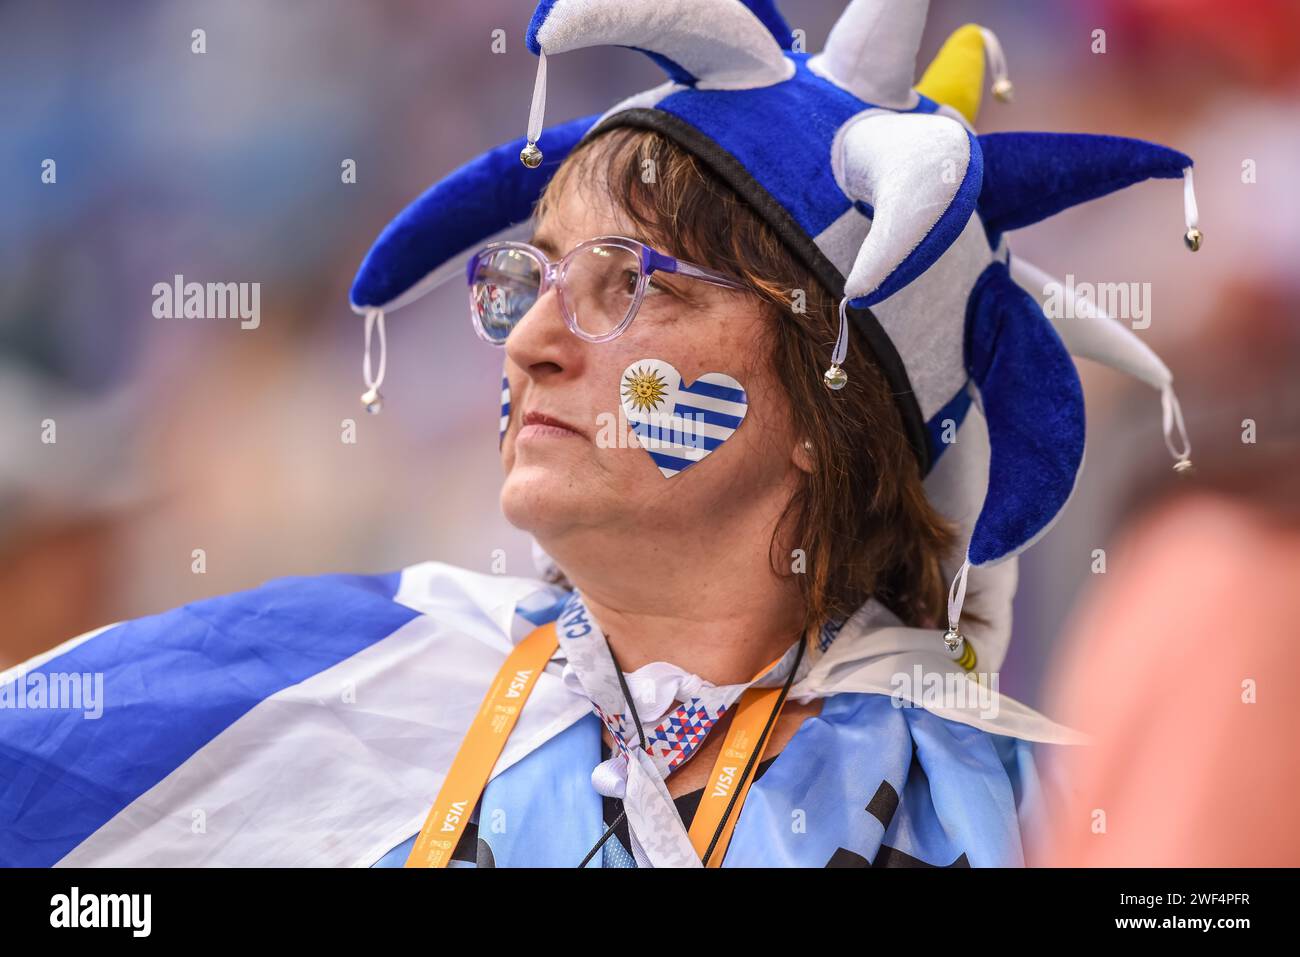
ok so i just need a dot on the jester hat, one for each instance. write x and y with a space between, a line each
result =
881 187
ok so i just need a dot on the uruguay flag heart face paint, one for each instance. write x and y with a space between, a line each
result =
678 424
505 409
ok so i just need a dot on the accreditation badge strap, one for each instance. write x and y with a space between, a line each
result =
742 749
481 748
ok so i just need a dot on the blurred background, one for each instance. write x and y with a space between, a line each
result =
226 166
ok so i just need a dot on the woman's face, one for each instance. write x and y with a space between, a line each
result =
597 476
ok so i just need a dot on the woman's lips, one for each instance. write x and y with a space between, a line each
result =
539 425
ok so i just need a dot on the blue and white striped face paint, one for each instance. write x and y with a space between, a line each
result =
505 409
680 424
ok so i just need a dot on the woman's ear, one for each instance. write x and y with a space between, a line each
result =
803 455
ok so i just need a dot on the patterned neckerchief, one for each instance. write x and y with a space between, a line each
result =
676 707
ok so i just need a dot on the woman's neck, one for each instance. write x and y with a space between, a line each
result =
702 595
724 635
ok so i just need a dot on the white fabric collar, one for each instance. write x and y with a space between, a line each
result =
671 733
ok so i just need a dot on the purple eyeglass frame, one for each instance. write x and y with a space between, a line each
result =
651 260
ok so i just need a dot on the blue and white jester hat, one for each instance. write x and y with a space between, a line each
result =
882 188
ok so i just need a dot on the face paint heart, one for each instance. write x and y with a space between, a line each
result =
505 409
680 424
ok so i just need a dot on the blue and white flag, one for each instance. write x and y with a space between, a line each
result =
862 784
311 721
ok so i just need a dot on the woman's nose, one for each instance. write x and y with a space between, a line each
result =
540 342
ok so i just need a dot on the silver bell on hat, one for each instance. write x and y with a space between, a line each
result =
953 639
835 378
531 156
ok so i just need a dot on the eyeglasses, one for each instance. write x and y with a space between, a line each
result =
601 284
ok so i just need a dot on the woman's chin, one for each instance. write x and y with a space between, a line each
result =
534 497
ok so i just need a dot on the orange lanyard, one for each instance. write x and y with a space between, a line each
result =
750 730
745 742
481 748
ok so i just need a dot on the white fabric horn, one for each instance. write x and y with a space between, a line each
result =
719 42
1087 331
871 51
921 175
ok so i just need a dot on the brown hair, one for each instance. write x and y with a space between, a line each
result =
861 517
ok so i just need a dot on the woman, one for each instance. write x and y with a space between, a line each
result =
737 656
699 573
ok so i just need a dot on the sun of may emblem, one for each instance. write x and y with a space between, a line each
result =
643 389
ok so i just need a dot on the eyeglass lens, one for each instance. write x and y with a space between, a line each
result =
597 288
504 287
